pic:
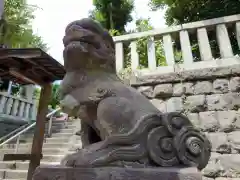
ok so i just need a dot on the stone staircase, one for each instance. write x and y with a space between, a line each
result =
62 142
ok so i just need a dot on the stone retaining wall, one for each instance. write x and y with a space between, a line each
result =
213 105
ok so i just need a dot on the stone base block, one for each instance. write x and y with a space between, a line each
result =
114 173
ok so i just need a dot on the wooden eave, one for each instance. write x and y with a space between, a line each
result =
29 66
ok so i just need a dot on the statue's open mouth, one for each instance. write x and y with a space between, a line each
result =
87 40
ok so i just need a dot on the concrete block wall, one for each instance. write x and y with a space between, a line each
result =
213 105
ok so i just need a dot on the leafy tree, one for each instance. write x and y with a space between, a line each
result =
113 14
16 30
183 11
55 98
36 93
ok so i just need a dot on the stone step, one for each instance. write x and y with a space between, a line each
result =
28 150
15 165
63 122
14 179
60 122
62 134
50 157
57 140
54 138
64 130
70 125
29 137
47 149
29 145
57 126
54 130
53 157
13 174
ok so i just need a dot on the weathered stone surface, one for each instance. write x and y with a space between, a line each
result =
213 169
183 88
178 89
175 104
219 142
208 121
232 100
214 102
189 88
194 118
220 86
237 122
196 74
160 104
230 164
227 101
111 173
226 178
195 103
207 178
203 87
226 120
163 90
234 139
146 90
234 84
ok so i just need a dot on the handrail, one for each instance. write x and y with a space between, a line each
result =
53 112
13 132
27 128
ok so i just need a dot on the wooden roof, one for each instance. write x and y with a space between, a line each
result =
29 66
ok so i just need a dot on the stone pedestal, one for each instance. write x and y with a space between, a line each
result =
115 173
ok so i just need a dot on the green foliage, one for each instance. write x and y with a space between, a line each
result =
113 14
144 25
36 93
55 98
16 30
125 75
4 87
183 11
114 32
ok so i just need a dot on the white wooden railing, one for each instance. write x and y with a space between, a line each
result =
17 108
165 35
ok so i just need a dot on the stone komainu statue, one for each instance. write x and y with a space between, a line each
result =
120 127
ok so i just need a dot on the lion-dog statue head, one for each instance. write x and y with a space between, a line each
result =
88 49
88 46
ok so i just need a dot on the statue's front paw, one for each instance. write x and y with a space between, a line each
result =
74 160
